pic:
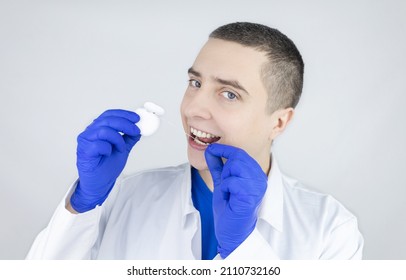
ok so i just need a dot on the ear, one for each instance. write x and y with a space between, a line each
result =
280 119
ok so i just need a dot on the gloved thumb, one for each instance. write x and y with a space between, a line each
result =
130 141
215 165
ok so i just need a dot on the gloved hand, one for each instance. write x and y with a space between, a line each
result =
239 186
102 153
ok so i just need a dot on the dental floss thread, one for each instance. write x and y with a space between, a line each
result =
150 116
175 126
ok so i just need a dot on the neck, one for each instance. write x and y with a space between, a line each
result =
206 176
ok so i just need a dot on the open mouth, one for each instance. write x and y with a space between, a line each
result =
202 137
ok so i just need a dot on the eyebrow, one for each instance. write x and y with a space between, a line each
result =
232 83
193 72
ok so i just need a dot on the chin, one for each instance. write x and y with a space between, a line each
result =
197 160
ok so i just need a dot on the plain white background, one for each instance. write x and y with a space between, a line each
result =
62 63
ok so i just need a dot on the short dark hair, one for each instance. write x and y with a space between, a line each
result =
283 75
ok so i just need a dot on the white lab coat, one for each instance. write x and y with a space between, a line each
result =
150 215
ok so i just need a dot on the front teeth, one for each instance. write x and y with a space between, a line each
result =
202 134
200 142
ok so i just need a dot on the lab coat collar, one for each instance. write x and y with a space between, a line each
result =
271 209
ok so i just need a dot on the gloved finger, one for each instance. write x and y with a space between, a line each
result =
239 162
220 195
94 148
118 123
130 141
105 134
244 167
226 151
131 116
243 193
244 179
215 165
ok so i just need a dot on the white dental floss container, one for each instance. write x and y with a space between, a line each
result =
149 118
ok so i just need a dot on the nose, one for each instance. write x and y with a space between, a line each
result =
198 104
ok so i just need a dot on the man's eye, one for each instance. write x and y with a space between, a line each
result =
194 83
229 95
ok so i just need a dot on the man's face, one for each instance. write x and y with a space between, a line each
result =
227 99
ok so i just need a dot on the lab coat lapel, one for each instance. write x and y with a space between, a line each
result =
191 218
271 210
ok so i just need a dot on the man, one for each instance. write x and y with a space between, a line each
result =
231 201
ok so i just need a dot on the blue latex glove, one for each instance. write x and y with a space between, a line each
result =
102 153
239 186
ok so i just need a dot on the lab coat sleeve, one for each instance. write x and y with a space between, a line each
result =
344 242
255 247
67 236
